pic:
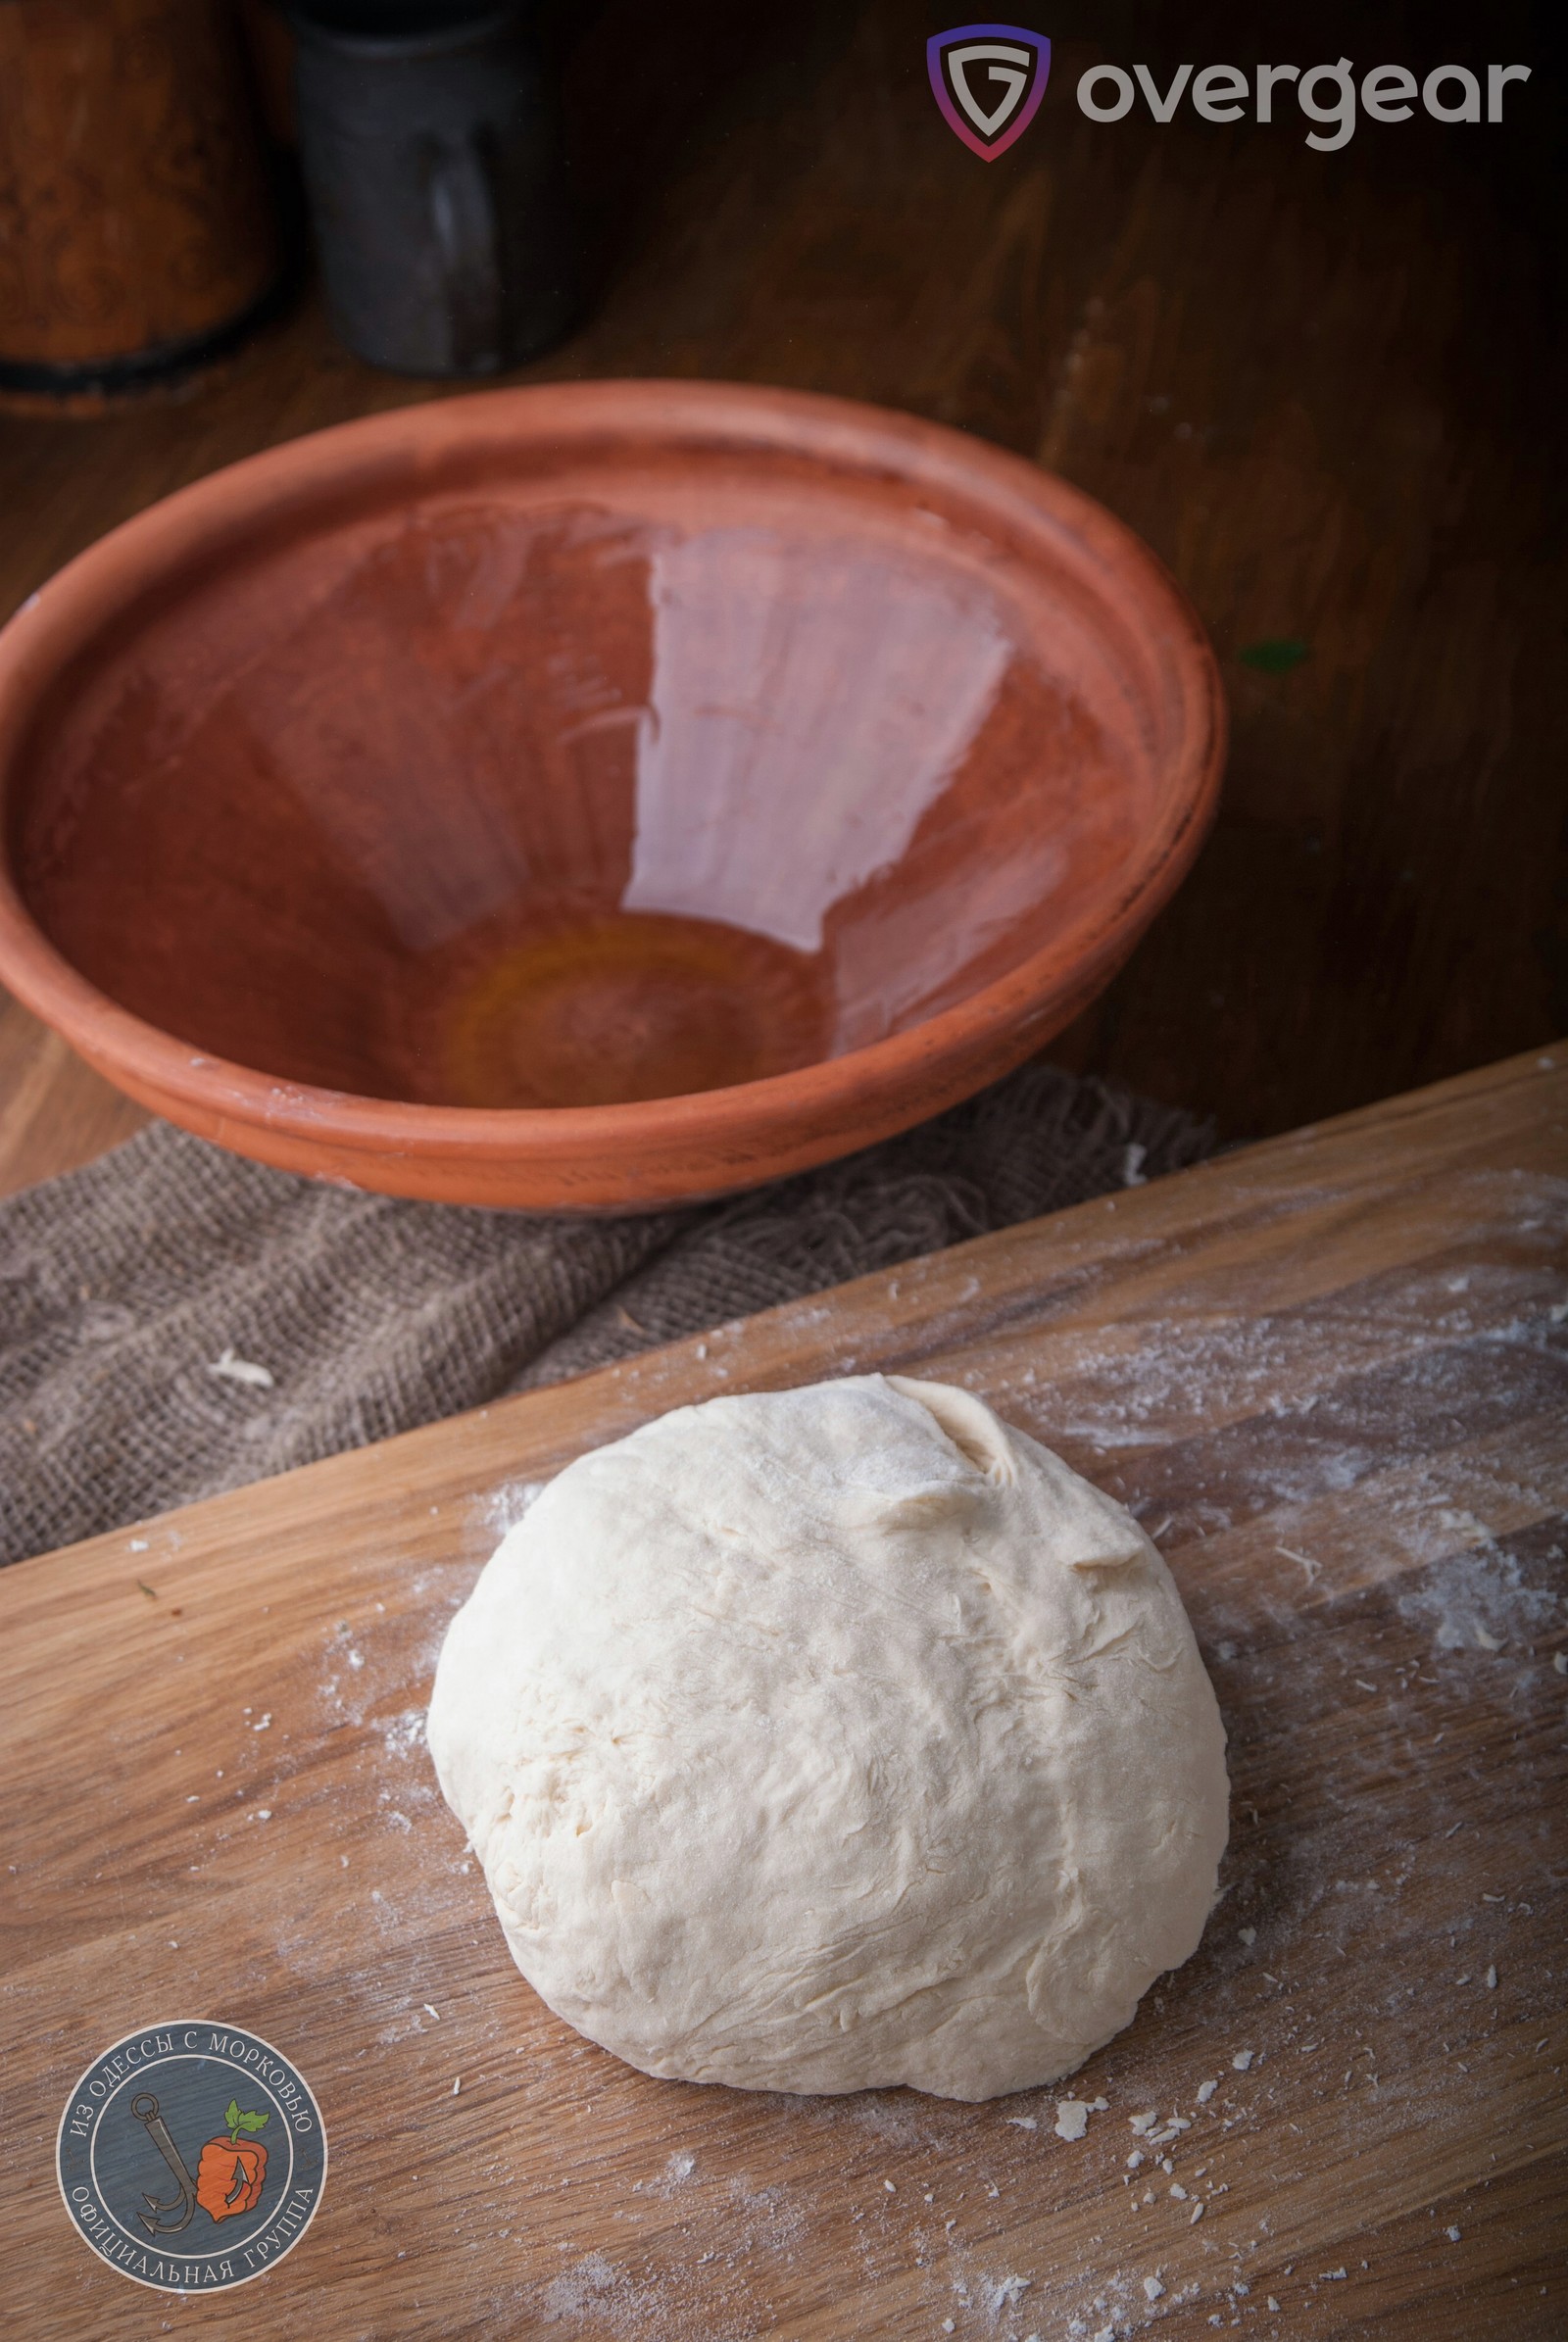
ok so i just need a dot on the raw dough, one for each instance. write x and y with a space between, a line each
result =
831 1739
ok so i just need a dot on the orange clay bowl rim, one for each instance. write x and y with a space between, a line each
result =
999 1025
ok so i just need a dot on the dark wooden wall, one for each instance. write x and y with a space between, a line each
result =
1329 389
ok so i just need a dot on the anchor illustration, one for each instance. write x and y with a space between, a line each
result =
145 2109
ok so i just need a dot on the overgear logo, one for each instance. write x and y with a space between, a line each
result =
989 80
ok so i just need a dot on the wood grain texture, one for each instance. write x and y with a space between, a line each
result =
55 1111
1326 388
1331 1373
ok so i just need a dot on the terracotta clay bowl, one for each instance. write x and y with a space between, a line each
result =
590 796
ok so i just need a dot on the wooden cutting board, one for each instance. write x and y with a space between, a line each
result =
1331 1376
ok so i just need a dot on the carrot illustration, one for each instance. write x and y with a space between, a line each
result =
229 2175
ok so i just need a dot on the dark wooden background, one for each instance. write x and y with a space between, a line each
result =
1328 388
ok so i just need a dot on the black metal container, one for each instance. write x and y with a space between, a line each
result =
431 151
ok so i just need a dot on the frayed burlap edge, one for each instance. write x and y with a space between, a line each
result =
175 1321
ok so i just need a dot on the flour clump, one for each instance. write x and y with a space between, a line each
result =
832 1738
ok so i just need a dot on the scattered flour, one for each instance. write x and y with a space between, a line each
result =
1477 1601
594 2294
403 1736
505 1506
242 1369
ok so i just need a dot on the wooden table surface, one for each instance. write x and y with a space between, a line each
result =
1327 388
1330 1373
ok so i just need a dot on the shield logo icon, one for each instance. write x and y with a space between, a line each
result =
989 80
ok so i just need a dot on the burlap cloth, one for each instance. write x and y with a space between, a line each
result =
175 1320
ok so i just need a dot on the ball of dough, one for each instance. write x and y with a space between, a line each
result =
831 1739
